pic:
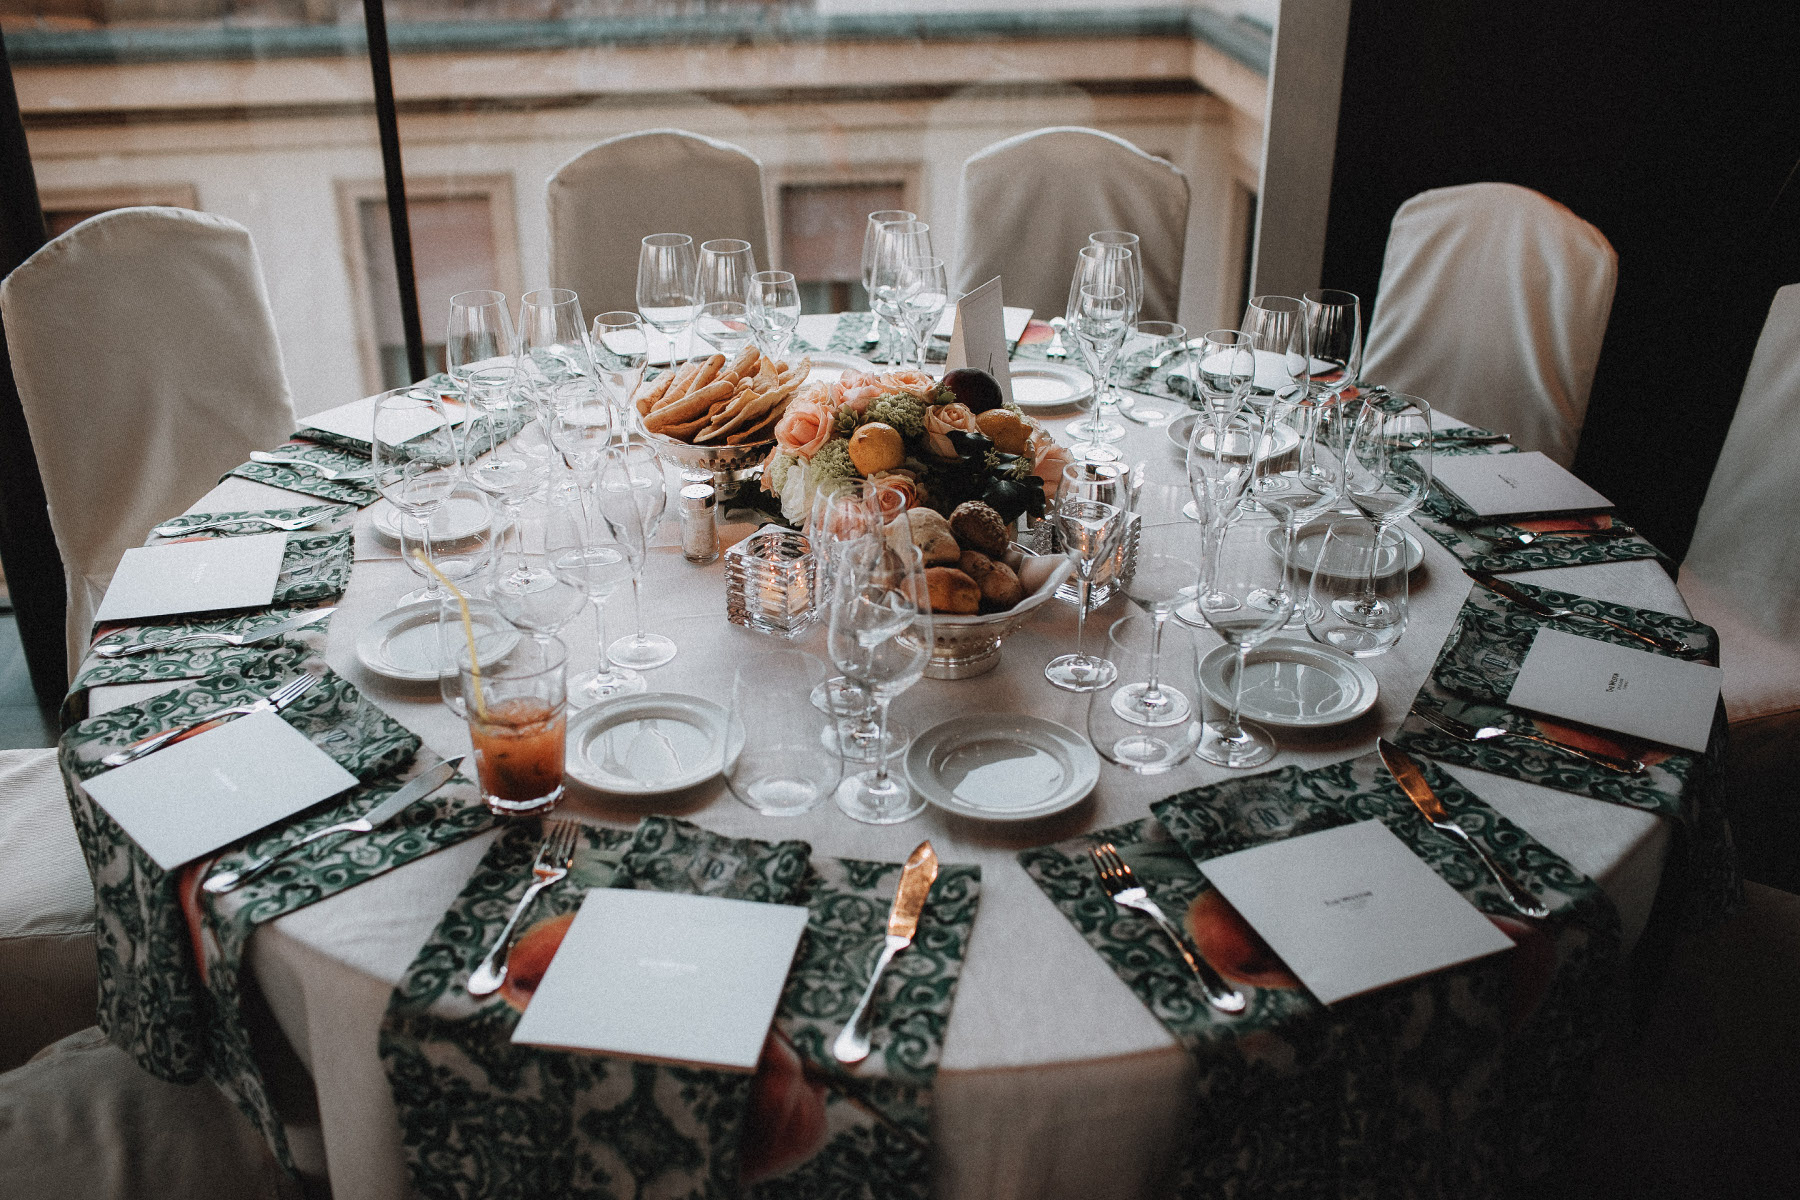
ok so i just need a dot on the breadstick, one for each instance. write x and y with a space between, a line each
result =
697 403
760 431
745 363
684 379
651 392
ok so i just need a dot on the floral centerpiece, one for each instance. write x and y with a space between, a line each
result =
937 443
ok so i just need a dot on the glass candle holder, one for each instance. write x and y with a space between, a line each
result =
771 582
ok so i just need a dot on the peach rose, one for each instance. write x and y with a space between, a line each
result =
939 421
854 390
804 427
896 492
916 384
1048 458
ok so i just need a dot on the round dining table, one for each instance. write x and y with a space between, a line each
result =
1055 1080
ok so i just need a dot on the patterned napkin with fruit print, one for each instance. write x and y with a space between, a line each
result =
482 1115
1461 1083
169 955
1470 681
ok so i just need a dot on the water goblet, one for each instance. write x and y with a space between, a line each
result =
1243 565
480 349
620 349
1090 531
724 271
668 288
555 368
774 311
1387 463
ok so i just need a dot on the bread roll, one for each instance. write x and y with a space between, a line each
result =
999 583
928 531
952 591
978 527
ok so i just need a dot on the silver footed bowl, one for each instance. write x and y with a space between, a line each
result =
970 646
728 465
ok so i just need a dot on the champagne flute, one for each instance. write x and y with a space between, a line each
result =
1167 573
619 349
874 242
1091 531
631 495
723 318
774 311
554 365
1128 243
1334 320
1242 565
667 286
880 636
1098 315
480 350
1386 470
581 556
1221 460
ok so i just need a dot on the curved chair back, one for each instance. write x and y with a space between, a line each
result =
146 360
1494 300
1028 204
603 202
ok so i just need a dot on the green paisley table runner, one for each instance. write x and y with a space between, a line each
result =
1462 1083
311 483
168 955
1470 681
327 518
480 1115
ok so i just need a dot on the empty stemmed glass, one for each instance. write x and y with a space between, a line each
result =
631 495
923 289
1166 574
1091 531
460 541
1128 243
1289 494
620 349
723 318
1225 371
554 366
480 349
880 636
1243 565
1278 329
413 451
1116 731
533 594
1221 460
581 556
1099 315
841 519
1334 324
872 245
668 288
1386 470
774 311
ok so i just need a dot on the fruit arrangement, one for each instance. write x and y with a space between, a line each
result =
940 444
706 402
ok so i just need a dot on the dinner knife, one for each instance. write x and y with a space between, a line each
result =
414 790
916 878
1406 773
1538 608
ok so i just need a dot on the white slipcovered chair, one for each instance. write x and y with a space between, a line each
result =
603 202
48 981
1742 576
1027 205
1493 303
146 360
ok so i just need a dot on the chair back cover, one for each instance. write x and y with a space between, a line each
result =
1742 572
1028 204
1494 300
603 202
146 360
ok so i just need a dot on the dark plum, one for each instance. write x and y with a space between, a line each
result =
974 388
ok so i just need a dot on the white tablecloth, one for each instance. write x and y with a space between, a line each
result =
1056 1081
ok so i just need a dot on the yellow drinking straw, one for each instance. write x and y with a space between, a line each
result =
468 631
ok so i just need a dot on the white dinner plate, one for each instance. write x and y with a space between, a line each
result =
1293 683
1049 385
1002 767
1181 429
403 643
1310 540
649 744
1271 370
828 366
463 517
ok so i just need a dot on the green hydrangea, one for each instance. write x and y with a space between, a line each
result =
832 462
1018 468
899 410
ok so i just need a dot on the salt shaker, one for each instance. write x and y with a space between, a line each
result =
699 530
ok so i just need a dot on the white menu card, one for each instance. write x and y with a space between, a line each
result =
1494 485
666 977
1352 909
1635 692
185 577
357 420
979 339
198 795
1013 320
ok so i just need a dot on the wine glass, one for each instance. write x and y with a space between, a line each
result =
1278 329
1287 493
872 241
1221 460
723 318
1129 244
1167 573
581 433
1339 599
534 595
1225 370
785 766
1115 729
1242 565
840 518
895 243
458 542
1091 531
554 365
774 311
668 289
480 351
924 293
581 556
1386 468
1098 315
1334 322
619 349
880 638
413 451
630 496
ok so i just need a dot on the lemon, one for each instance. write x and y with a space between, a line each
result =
876 447
1007 429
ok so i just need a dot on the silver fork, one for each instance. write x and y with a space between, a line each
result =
257 637
275 701
339 474
288 524
554 854
1464 732
1121 883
